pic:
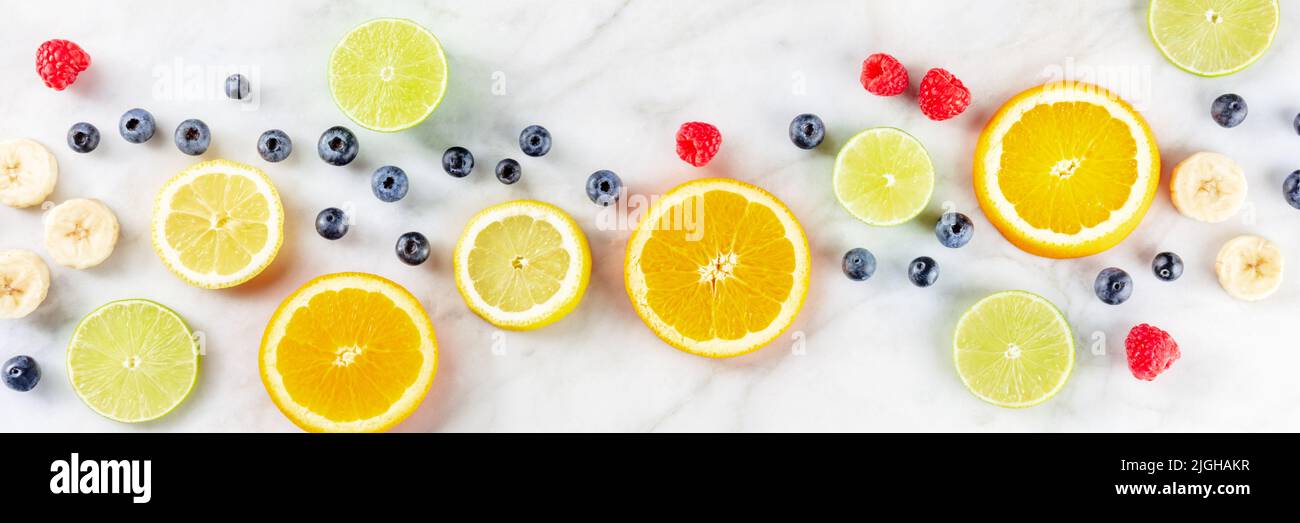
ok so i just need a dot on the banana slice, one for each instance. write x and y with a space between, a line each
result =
28 172
1209 187
80 233
24 280
1249 267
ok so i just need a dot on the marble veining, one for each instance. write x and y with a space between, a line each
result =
612 80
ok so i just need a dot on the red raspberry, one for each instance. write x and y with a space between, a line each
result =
1150 351
59 61
698 142
942 95
883 75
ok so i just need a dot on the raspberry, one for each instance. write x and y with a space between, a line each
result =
59 61
1150 351
698 142
882 75
942 95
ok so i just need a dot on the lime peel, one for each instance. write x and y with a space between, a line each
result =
883 176
1013 349
388 74
133 360
1212 37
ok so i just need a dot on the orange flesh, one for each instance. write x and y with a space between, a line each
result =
724 278
1067 166
349 354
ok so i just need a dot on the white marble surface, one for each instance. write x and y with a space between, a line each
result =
612 80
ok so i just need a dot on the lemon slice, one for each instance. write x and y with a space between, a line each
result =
388 74
348 352
522 264
1066 169
218 223
883 176
133 360
1213 37
717 268
1013 349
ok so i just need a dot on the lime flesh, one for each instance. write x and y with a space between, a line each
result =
883 176
388 74
133 360
1212 37
1013 349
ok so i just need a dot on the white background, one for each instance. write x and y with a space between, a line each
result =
612 81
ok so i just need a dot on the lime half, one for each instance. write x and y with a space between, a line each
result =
1212 37
883 176
388 74
1013 349
133 360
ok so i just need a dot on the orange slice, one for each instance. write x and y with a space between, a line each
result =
1066 169
717 268
348 352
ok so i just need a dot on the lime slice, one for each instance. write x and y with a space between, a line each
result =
1013 349
883 176
1212 37
133 360
388 74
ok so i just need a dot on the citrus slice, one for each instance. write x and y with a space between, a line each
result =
133 360
1013 349
218 223
883 176
717 267
522 264
1213 37
388 74
348 352
1066 169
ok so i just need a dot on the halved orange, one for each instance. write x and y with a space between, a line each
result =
717 267
1066 169
348 352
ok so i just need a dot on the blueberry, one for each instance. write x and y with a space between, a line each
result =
274 145
535 140
136 126
923 271
458 162
1228 110
331 223
193 137
954 229
1113 286
603 187
21 373
1291 189
337 146
236 87
859 264
413 248
807 131
83 137
389 183
508 171
1167 266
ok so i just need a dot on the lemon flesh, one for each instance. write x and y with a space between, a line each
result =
218 223
522 265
